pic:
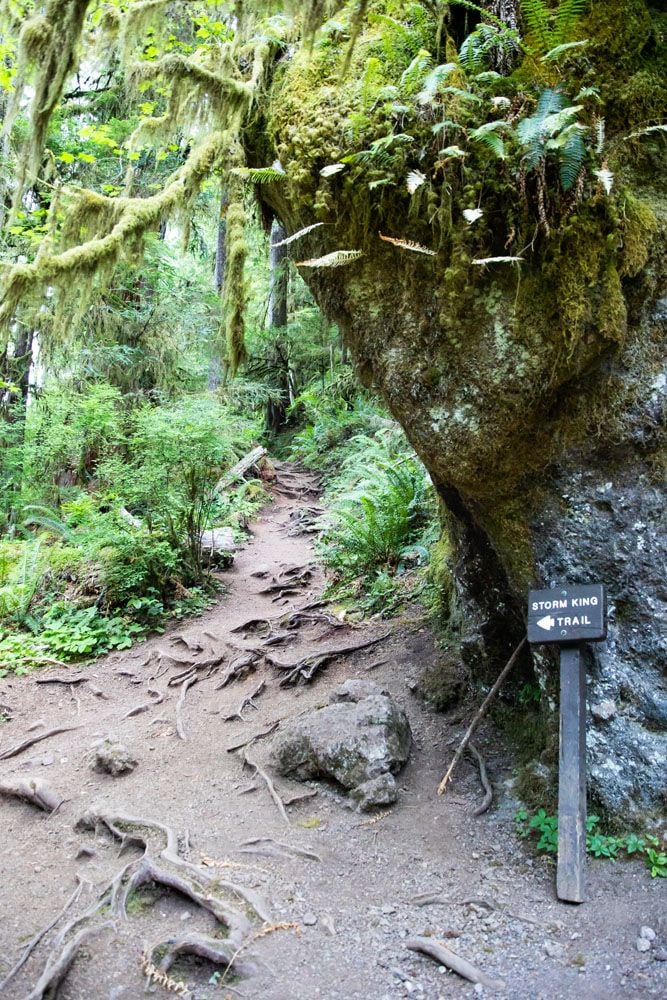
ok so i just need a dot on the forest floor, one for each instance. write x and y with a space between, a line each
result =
341 895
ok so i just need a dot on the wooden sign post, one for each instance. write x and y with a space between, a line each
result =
570 616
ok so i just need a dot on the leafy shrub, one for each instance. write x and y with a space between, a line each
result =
72 632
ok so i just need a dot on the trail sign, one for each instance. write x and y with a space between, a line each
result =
567 614
570 616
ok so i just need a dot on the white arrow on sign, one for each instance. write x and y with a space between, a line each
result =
547 623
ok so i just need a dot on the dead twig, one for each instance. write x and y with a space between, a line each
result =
483 777
20 747
448 958
479 715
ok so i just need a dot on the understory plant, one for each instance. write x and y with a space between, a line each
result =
544 828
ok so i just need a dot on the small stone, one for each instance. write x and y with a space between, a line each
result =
186 915
660 954
648 933
553 949
479 989
603 711
115 759
388 908
643 944
47 759
309 919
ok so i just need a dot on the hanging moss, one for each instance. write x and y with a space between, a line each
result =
234 296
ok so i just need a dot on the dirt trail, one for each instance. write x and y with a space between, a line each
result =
354 902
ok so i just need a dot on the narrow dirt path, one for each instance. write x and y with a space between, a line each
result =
345 891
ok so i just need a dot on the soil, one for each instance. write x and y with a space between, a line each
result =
347 913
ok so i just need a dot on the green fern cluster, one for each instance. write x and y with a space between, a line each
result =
551 27
553 128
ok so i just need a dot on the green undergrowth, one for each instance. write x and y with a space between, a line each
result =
380 519
543 829
105 505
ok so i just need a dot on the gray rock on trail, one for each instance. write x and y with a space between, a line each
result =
361 739
114 758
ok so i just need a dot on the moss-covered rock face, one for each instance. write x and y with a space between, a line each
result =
531 389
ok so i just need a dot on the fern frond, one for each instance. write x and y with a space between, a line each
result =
298 235
432 82
414 180
336 259
647 131
497 260
559 50
331 169
571 153
408 245
487 135
567 15
537 16
467 95
452 152
415 71
260 175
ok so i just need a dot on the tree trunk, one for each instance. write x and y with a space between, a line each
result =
277 320
215 361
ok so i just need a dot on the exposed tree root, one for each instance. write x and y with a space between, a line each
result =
74 679
20 747
483 777
187 683
161 863
479 715
305 668
239 668
247 702
443 955
275 849
58 965
32 944
269 784
145 706
252 739
33 791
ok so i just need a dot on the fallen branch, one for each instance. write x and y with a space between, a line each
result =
34 791
20 747
269 784
145 706
479 715
448 958
483 777
32 944
240 469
